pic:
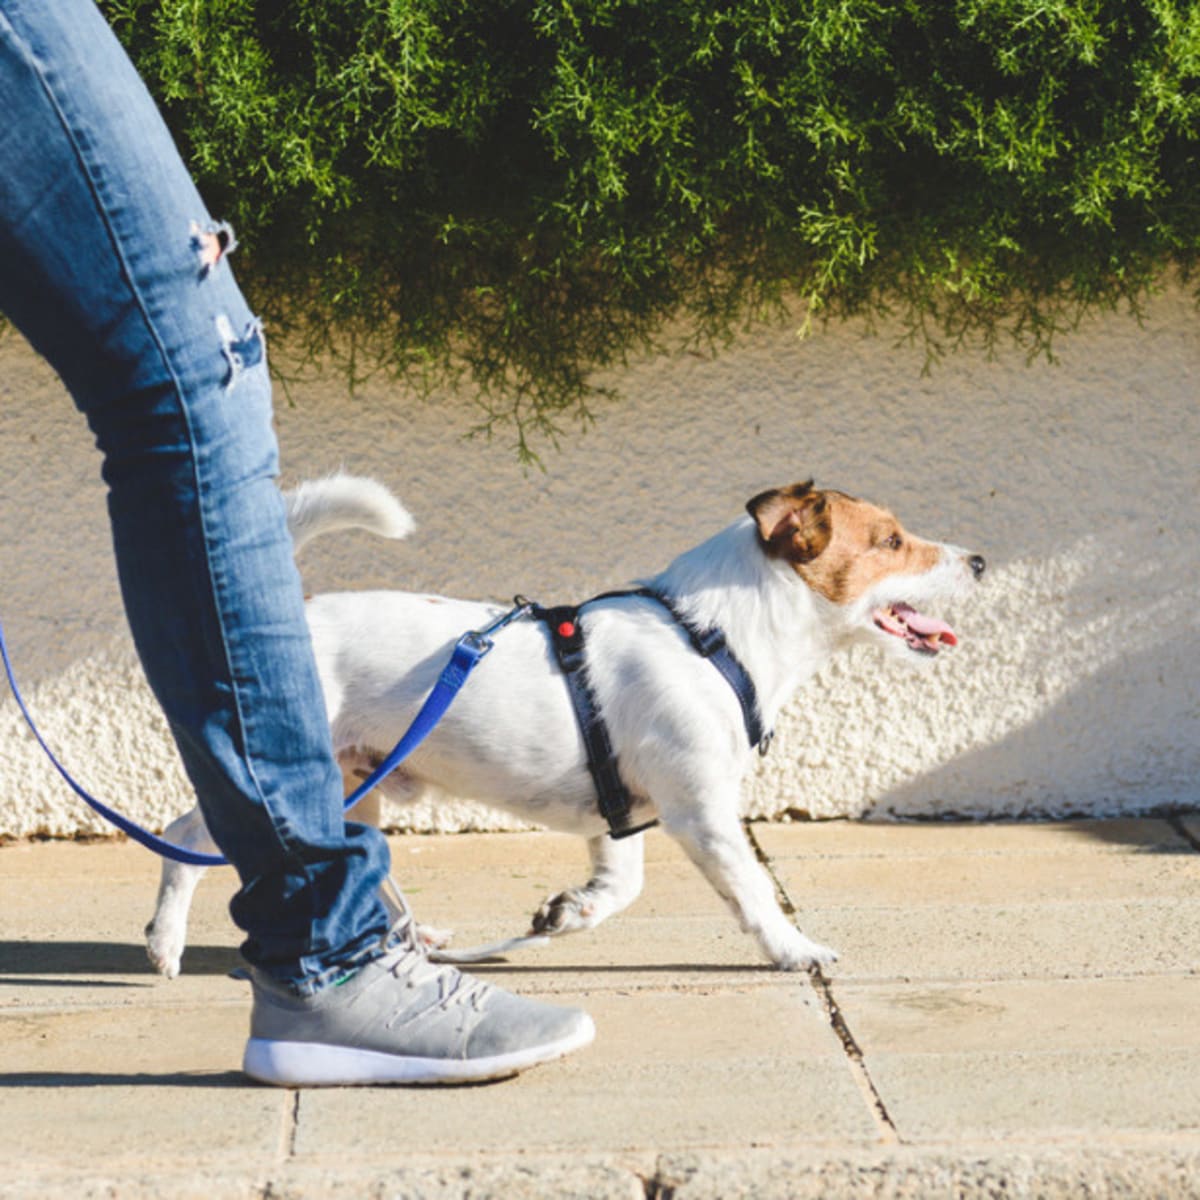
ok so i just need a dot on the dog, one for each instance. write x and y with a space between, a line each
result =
804 574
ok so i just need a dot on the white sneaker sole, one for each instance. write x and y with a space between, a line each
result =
311 1064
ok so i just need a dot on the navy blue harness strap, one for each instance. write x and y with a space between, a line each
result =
710 643
566 638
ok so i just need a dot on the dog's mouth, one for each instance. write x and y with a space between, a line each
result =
925 635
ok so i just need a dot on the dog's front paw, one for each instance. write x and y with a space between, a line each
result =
802 954
164 946
568 912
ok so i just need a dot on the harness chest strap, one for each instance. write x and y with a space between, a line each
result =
710 643
566 638
616 804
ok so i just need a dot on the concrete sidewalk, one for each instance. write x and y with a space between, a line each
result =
1016 1012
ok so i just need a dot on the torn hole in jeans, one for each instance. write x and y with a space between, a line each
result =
212 243
241 353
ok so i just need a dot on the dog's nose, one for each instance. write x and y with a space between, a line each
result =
977 565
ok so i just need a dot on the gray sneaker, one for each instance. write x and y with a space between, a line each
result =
403 1019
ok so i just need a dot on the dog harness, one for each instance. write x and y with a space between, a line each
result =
567 640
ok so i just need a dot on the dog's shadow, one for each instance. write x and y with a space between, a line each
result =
25 963
510 967
68 964
103 1079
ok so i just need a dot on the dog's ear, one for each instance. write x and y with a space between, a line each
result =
793 522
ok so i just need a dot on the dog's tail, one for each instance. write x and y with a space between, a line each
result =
343 501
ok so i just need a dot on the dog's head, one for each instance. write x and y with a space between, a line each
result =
858 557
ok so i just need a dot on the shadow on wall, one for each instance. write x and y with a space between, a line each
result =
1103 748
1090 670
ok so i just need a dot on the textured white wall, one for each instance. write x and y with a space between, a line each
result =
1075 688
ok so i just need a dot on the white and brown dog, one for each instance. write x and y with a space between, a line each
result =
805 574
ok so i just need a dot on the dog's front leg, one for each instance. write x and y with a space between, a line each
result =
716 843
615 883
166 934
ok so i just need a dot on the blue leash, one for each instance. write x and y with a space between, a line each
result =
469 650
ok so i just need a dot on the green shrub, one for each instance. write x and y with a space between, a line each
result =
524 190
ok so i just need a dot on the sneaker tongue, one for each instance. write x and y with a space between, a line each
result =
924 625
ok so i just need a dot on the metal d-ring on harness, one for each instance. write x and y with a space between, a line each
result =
568 641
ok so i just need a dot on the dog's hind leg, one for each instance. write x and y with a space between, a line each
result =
369 810
615 883
714 839
166 934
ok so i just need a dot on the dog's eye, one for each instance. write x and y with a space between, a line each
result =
893 541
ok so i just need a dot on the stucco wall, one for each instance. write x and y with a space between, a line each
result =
1075 688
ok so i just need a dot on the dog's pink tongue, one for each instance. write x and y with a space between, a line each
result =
920 624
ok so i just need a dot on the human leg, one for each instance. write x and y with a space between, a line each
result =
106 272
152 337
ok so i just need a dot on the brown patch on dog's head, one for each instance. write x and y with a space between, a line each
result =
793 522
841 547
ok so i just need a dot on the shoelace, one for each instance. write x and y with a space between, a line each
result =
408 960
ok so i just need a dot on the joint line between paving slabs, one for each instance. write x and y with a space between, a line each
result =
833 1013
290 1125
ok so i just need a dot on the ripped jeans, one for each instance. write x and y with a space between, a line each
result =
114 271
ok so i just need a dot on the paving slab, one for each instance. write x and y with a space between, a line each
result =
969 1171
997 1060
1012 941
992 879
1000 901
755 1068
71 921
1049 1096
138 1086
1037 1016
985 1172
417 1177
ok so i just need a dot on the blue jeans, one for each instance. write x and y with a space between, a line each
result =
112 268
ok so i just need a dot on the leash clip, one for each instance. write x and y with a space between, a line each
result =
480 640
477 642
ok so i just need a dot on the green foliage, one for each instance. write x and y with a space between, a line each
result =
524 190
